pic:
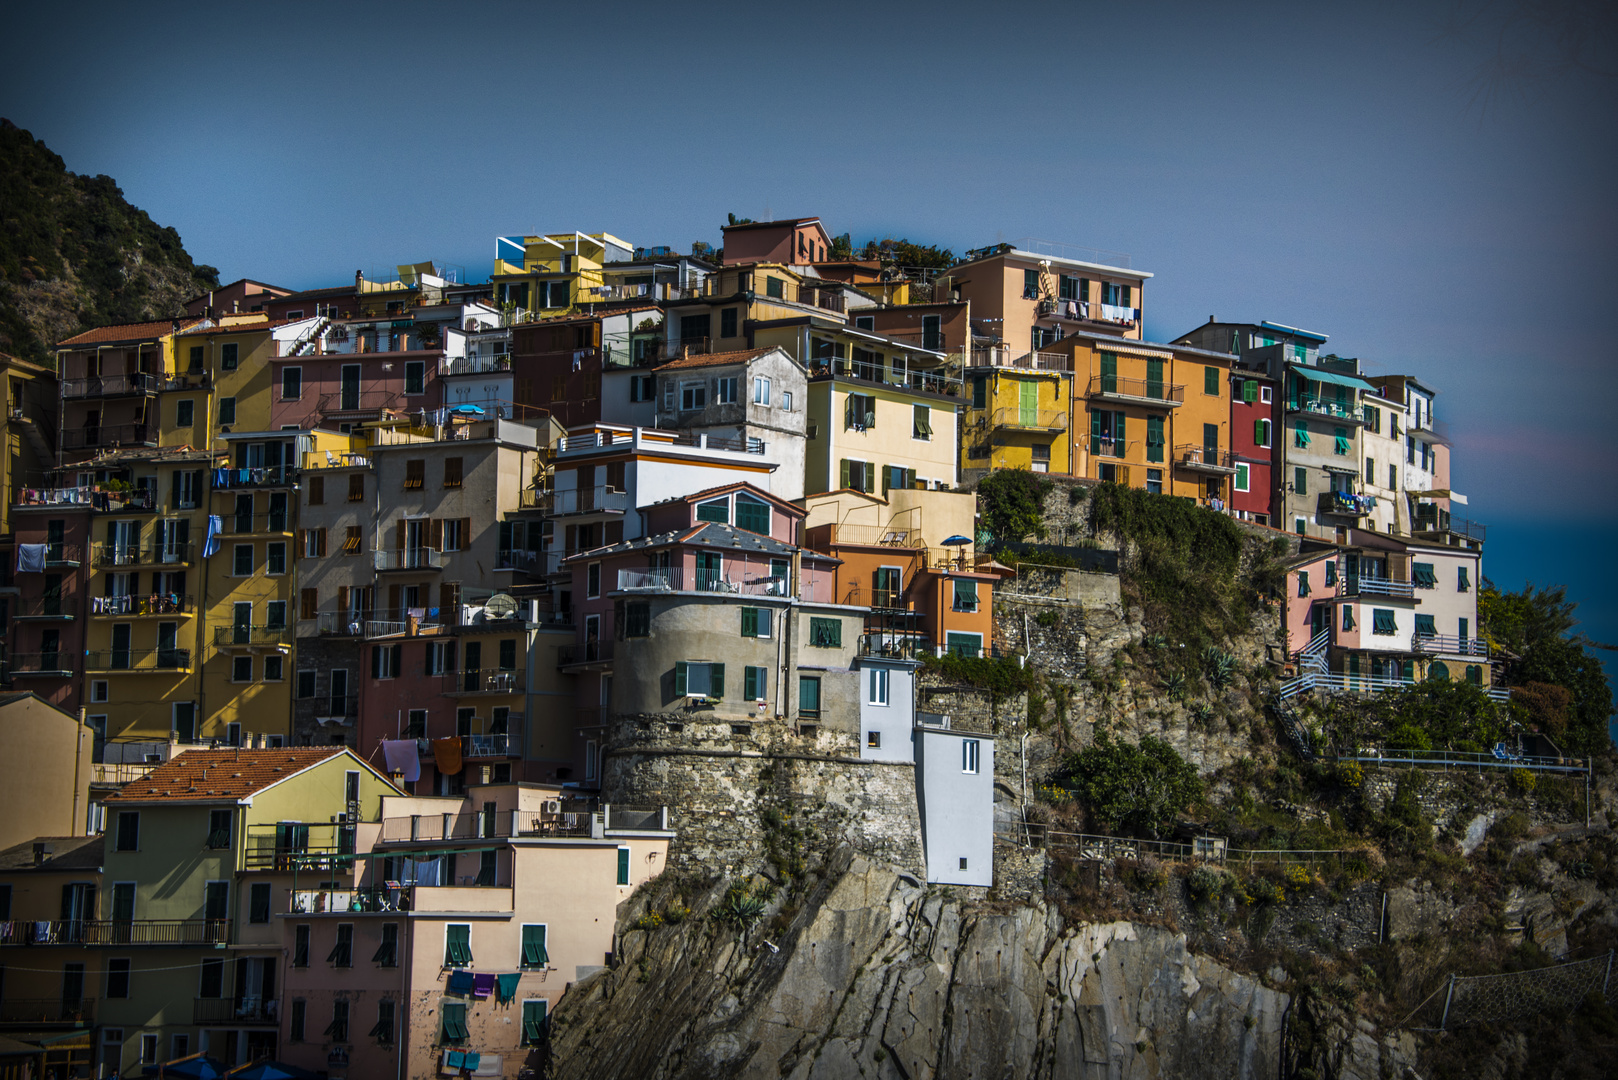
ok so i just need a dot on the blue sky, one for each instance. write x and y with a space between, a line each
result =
1362 171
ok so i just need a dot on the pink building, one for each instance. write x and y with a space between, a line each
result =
364 369
790 241
469 919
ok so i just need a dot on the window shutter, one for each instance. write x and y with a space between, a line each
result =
399 534
466 533
1118 420
320 542
393 600
1258 433
910 478
1095 432
716 680
1127 293
435 534
303 541
1249 390
870 476
376 661
679 678
844 477
342 601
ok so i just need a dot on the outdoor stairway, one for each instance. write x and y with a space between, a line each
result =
1292 724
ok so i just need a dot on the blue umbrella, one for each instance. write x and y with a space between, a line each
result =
195 1067
270 1070
956 541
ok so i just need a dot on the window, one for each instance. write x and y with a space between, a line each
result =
300 945
699 679
219 829
308 603
229 356
693 396
1210 381
1423 575
227 410
752 515
1370 470
826 633
1303 583
1299 525
274 667
275 558
353 537
755 684
533 1021
1155 440
1340 444
638 619
966 594
873 739
725 391
1154 481
212 981
185 413
623 866
921 426
258 902
98 687
717 510
534 954
641 387
1462 583
774 286
387 953
1242 477
1300 481
242 560
337 1030
761 391
452 472
356 487
752 625
859 412
727 322
1030 284
458 945
1300 435
415 474
148 1048
415 377
858 475
452 1026
963 644
291 384
969 755
241 669
1425 626
1261 433
809 697
382 1032
877 687
1382 622
117 978
128 838
385 661
592 581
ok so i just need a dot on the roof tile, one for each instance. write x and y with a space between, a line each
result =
696 360
144 331
217 775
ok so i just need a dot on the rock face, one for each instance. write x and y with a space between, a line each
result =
878 976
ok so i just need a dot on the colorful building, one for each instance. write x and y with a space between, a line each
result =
1033 293
554 273
110 379
1020 413
1255 420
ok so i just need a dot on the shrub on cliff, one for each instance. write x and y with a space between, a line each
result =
1126 787
1011 505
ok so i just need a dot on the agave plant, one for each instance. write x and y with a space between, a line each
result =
1174 686
740 911
1154 641
1219 666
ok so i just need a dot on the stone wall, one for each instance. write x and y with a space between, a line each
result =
322 654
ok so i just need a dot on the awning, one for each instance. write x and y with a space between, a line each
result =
1322 375
1341 469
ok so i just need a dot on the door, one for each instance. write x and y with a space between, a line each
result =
1210 444
78 906
244 514
168 538
415 541
120 647
185 722
168 653
592 637
241 622
123 911
1154 379
55 532
278 512
123 538
710 570
350 397
51 603
472 661
1028 403
932 335
1109 373
72 991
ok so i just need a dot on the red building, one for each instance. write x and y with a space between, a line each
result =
1255 426
557 364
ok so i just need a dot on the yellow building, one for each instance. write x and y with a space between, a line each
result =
549 275
1150 416
222 378
1019 414
732 309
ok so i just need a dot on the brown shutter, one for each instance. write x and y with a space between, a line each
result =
393 601
342 601
398 534
435 534
301 548
320 542
466 533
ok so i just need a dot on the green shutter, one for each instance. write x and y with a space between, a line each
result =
453 1015
1425 626
716 680
966 594
1154 438
749 622
1383 621
534 953
1303 583
1210 381
1409 669
843 464
1249 390
1301 434
808 694
623 866
870 477
1424 575
749 683
1300 480
1095 431
533 1021
1109 373
1119 445
910 479
679 678
1154 378
457 945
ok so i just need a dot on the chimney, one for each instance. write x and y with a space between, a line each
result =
359 278
42 851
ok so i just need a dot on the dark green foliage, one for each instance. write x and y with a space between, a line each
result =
1403 826
842 248
1219 666
1434 715
904 253
1000 674
56 226
1536 627
1124 786
1011 505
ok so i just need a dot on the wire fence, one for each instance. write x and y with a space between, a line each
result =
1197 850
1513 995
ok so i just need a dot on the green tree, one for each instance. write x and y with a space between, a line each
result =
1011 505
1443 714
1535 631
1127 787
842 248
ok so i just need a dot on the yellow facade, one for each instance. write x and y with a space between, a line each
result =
223 373
556 272
1019 418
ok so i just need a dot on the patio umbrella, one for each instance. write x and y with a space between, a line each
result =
195 1067
956 541
270 1070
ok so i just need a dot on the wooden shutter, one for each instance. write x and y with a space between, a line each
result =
466 532
1095 431
342 602
1258 433
393 600
399 534
844 474
435 534
870 476
320 542
356 487
716 680
303 542
679 678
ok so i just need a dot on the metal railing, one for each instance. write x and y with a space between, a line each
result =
346 624
84 438
1319 406
422 558
928 380
138 382
1430 518
46 607
1114 448
1450 645
174 554
340 401
571 817
1370 586
1204 457
335 459
492 745
225 636
897 536
137 660
589 500
1013 416
1148 390
1458 759
56 1010
481 681
1002 356
138 606
242 524
254 477
50 664
1346 502
674 579
584 652
892 646
477 365
521 559
243 1010
117 932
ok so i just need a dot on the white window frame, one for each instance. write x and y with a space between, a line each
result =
725 390
149 1041
1242 477
1269 434
877 687
267 564
592 759
453 540
592 581
761 390
786 401
233 550
443 952
693 396
1266 395
970 758
279 658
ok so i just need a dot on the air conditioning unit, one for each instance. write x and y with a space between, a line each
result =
553 806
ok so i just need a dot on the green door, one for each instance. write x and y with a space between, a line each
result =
1109 373
1154 379
1027 403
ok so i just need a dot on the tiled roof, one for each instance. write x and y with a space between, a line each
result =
711 534
718 359
150 454
142 331
311 294
216 775
752 489
67 853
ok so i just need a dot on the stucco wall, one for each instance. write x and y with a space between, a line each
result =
957 807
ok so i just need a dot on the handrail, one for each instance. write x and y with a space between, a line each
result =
1136 389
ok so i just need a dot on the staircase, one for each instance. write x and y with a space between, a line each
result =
1312 672
308 337
1292 724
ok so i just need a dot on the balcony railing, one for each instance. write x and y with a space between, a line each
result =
674 579
1318 406
243 524
1205 459
893 646
46 608
138 382
366 401
1346 502
138 606
1450 645
572 817
1369 586
1140 391
1113 448
476 365
175 554
340 707
137 660
261 476
520 559
504 744
1030 419
422 558
117 932
584 652
1002 356
57 664
85 438
600 499
56 1010
227 636
1430 518
481 681
243 1010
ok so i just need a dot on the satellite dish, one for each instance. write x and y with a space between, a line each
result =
500 606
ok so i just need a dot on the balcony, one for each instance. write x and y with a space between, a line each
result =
481 681
1020 419
1370 586
422 558
358 405
251 637
117 932
1136 391
262 476
503 744
105 386
1105 447
521 560
592 500
109 435
277 523
1001 356
62 555
894 646
1346 503
138 661
1450 645
674 579
132 555
564 817
244 1010
45 609
474 365
48 1011
138 607
1205 459
1431 518
584 653
41 665
1342 411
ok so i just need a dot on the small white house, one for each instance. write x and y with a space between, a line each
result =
955 790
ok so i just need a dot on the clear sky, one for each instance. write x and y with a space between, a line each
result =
1432 185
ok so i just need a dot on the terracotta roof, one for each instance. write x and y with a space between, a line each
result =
142 331
241 281
67 853
222 775
312 294
717 359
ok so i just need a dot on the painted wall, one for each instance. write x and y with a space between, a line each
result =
890 723
1021 409
957 807
1254 500
891 442
51 796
